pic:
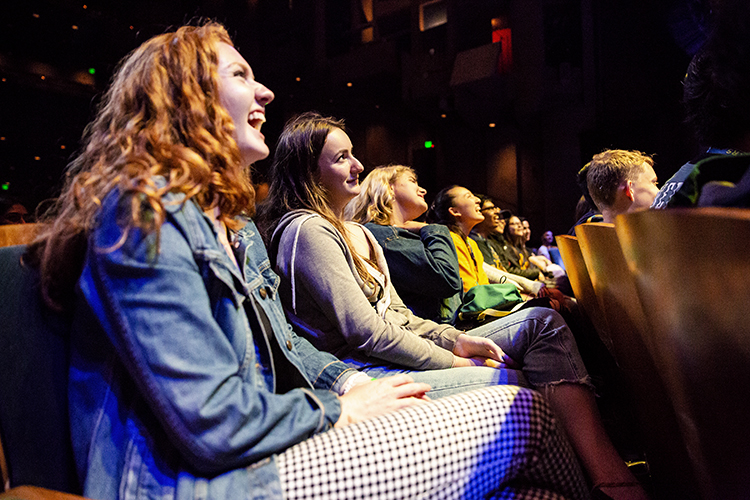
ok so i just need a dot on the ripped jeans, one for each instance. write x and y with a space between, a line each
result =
536 338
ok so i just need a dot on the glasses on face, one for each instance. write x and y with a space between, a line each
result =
492 208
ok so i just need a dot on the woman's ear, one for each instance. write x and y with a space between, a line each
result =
454 212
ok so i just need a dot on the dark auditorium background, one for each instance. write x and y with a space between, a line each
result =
506 97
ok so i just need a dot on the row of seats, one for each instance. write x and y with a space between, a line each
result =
667 291
18 234
35 448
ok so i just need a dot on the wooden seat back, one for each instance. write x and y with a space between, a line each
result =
18 234
691 267
34 425
615 288
580 282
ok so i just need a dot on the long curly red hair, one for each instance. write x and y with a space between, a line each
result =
161 116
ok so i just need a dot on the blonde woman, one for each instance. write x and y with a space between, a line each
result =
422 257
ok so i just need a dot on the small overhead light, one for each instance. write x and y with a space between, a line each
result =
2 138
84 6
92 71
74 27
349 84
298 79
43 77
4 79
492 125
131 27
37 158
36 16
62 146
443 115
377 106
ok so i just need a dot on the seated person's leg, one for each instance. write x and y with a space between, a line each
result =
471 445
456 380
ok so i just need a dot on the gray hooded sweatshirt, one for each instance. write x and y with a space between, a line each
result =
327 301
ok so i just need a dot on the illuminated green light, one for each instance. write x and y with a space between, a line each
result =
6 186
428 144
92 71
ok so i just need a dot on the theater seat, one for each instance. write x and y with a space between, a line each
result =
580 281
18 234
34 429
630 334
691 268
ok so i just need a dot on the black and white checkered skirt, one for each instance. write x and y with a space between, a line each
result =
498 442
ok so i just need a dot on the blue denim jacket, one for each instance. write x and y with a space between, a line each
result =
186 379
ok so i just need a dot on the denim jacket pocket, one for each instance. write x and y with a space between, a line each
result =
220 279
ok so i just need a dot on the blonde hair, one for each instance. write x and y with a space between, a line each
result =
610 168
374 203
160 116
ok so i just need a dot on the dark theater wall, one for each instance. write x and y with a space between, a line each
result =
586 75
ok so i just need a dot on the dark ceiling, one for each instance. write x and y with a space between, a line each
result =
56 56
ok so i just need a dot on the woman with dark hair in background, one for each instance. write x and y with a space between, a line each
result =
518 255
336 289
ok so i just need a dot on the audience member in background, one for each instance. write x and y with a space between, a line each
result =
621 181
336 288
517 256
549 250
527 235
488 237
421 258
521 258
186 380
586 210
716 94
457 208
542 262
12 211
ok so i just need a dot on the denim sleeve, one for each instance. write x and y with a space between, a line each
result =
157 312
419 264
322 368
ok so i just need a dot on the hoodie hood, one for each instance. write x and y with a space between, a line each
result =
377 292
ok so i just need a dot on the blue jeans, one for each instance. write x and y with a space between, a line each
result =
537 338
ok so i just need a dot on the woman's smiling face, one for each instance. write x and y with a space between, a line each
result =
245 100
465 206
515 227
339 170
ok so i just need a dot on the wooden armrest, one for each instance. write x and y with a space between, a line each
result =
35 493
